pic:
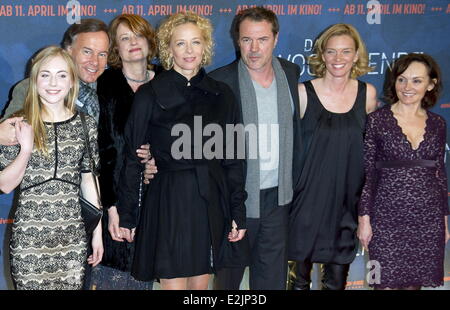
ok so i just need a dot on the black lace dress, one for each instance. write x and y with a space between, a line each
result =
405 195
48 243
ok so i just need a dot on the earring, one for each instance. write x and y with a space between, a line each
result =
202 63
353 71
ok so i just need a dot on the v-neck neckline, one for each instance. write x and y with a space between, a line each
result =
405 136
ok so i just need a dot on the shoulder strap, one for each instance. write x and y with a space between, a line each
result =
314 108
360 104
88 149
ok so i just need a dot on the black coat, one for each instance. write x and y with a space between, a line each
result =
115 97
221 181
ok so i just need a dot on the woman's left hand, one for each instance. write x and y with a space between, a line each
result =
97 246
236 234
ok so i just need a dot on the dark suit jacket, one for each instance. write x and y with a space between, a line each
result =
229 74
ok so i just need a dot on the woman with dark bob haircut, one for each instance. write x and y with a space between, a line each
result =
403 209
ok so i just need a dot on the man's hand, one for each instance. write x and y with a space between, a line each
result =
150 170
144 153
8 131
24 136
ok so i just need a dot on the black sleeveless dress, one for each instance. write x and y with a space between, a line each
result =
323 218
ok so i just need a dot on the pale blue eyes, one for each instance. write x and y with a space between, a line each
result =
180 44
46 75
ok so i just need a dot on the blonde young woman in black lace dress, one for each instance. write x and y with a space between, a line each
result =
48 243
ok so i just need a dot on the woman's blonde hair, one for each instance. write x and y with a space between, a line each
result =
33 107
165 32
137 25
316 62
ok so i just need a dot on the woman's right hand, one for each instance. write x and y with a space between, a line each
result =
97 246
24 135
364 232
236 234
113 224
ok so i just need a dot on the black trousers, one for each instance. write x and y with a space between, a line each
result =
267 237
334 276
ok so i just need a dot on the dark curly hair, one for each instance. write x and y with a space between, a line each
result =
400 66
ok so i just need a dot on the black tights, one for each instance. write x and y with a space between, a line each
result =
334 276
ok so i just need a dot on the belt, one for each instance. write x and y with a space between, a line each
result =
406 163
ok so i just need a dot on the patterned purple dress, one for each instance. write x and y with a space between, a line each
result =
405 195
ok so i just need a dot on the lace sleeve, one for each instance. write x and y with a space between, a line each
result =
441 173
370 149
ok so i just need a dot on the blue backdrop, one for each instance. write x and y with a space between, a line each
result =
401 27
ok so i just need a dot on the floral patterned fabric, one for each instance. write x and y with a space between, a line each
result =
405 195
48 244
106 278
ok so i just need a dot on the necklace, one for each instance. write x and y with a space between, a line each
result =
147 76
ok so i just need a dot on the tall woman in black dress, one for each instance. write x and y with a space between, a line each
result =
133 46
323 220
194 207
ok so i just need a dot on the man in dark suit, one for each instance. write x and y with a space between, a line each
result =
266 89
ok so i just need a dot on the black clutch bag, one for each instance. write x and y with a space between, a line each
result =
90 213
